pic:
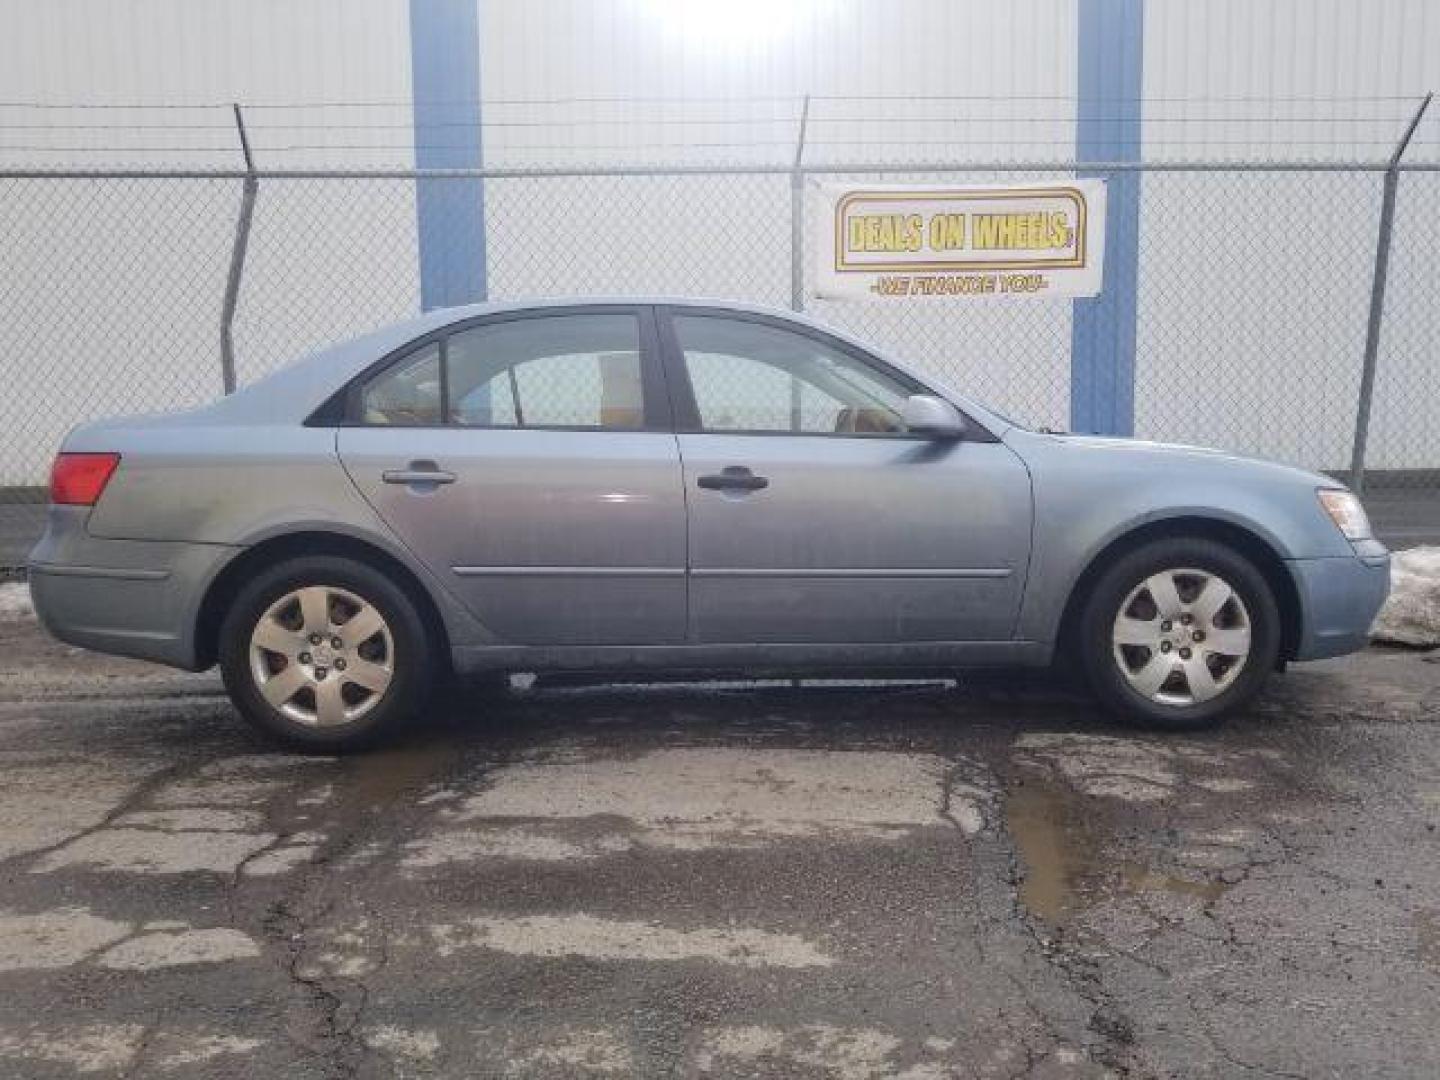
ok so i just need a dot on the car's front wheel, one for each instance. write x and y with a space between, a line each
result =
325 653
1179 633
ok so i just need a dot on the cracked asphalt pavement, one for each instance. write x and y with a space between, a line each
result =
915 881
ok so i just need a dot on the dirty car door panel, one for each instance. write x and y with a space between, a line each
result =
815 518
526 478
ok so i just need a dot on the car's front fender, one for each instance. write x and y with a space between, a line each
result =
1090 494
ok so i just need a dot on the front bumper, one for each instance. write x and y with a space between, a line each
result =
1339 599
127 597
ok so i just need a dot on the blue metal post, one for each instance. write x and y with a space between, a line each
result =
445 81
1102 338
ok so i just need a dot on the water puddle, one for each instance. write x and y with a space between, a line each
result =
1065 870
1058 853
1137 878
379 778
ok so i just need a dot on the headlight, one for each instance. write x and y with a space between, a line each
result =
1347 513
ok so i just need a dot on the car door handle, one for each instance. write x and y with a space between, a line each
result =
733 478
417 476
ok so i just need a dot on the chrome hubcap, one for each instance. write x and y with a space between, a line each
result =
1181 637
322 656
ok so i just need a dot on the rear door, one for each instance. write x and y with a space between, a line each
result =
814 517
527 458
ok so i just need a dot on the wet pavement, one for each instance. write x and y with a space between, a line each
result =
854 882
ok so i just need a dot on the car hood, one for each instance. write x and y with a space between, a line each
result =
1104 486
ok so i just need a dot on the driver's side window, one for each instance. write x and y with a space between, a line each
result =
750 376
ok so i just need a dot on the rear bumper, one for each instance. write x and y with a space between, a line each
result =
127 597
1339 599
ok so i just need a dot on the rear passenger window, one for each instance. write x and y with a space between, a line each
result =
566 371
408 394
578 371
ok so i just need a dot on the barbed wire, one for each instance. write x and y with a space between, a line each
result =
721 99
668 121
1358 125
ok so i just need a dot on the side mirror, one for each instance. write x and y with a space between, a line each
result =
925 414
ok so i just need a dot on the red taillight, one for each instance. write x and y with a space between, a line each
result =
79 479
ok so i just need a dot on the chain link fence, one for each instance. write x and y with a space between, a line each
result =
1255 291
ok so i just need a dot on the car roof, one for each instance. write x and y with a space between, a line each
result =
292 393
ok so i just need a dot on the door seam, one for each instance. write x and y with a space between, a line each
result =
685 505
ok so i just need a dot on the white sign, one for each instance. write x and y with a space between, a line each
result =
882 242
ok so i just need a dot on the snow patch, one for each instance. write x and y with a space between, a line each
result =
15 601
573 1051
150 851
1411 616
849 1053
89 1048
54 939
66 936
420 1045
178 948
192 1049
607 939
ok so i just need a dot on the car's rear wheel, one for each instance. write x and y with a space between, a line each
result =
1179 633
325 653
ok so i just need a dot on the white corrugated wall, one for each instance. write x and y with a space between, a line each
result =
1256 338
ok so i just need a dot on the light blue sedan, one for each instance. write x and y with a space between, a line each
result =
653 485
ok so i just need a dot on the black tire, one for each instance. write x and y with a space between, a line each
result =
1094 635
409 652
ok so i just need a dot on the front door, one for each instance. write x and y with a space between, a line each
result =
814 517
528 460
